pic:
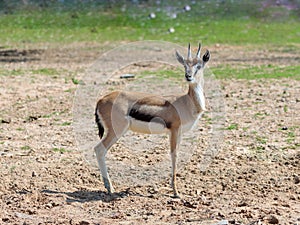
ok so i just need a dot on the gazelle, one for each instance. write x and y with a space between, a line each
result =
121 111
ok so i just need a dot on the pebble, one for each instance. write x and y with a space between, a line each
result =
33 174
296 179
152 15
187 8
171 30
272 219
5 120
127 75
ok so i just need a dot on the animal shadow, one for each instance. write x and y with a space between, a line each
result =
83 196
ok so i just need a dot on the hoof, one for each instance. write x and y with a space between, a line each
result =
110 191
108 186
176 195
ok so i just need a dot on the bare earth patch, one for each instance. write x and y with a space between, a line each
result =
255 178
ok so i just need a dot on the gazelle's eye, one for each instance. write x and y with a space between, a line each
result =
198 67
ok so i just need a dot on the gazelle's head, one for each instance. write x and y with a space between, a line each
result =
193 66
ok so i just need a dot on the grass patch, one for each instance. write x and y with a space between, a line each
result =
66 124
250 73
14 72
51 72
26 147
230 22
291 137
259 149
258 72
60 150
233 126
12 168
176 74
261 140
47 72
75 81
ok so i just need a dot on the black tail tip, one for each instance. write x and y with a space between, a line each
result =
100 126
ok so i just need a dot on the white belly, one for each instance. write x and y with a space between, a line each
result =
158 128
147 127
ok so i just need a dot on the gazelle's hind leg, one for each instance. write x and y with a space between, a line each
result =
111 137
101 150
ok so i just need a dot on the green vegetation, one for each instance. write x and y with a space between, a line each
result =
44 71
60 150
14 72
236 22
12 169
228 22
250 73
233 126
261 140
26 147
258 72
47 72
66 124
75 81
175 73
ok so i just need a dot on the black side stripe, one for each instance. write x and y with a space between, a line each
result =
138 115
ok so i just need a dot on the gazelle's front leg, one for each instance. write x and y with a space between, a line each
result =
174 144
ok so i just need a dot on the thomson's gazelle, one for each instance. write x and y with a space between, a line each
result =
120 111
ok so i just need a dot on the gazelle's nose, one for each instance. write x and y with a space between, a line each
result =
188 77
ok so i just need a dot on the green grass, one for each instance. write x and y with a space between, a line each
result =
47 72
26 147
51 72
66 124
176 73
229 22
14 72
205 22
225 72
261 140
60 150
12 168
233 126
75 81
258 72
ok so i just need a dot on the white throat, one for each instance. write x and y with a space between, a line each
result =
198 96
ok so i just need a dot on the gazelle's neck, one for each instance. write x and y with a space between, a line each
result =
196 94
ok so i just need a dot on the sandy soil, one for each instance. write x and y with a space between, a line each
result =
254 178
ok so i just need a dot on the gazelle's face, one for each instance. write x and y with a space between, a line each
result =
193 66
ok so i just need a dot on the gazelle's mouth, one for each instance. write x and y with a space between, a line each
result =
189 79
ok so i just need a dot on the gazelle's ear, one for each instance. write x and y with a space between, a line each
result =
206 56
199 51
179 57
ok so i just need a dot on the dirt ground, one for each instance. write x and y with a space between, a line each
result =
254 178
